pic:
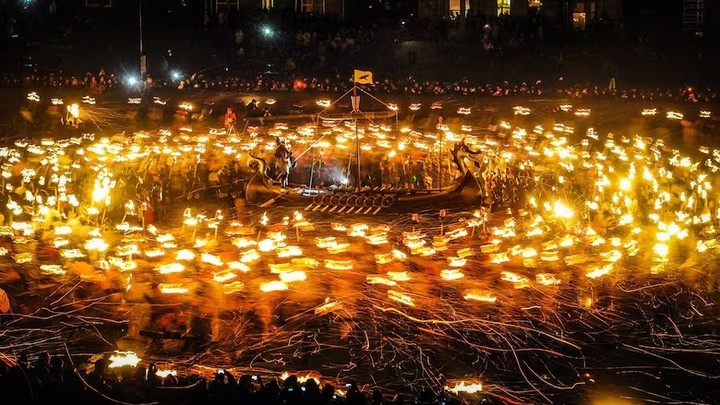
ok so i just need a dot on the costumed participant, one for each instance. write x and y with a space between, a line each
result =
284 161
230 119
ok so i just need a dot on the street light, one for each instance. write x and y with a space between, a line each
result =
267 31
143 61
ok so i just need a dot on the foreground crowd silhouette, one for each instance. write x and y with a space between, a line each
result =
48 379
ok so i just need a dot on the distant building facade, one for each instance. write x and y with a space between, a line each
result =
98 3
574 10
319 7
690 15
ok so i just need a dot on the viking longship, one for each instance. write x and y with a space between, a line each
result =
464 194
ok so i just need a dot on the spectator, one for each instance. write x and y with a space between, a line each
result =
230 120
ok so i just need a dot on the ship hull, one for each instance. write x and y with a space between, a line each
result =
465 195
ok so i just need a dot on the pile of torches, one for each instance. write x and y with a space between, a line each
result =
596 229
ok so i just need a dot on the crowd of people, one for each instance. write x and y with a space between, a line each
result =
102 82
48 379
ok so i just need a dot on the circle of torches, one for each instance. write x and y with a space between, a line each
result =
596 229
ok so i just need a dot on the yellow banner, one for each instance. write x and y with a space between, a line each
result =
363 77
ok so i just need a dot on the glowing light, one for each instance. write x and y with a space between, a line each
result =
376 279
674 115
96 244
398 275
121 359
293 276
329 306
184 254
401 298
649 111
475 295
599 271
166 373
211 259
463 387
338 264
451 274
173 289
518 280
520 110
546 279
170 268
274 285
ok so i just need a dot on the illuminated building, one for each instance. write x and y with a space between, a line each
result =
553 9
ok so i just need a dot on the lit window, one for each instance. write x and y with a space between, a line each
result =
534 3
579 21
455 6
503 7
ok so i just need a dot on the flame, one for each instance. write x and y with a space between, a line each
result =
302 378
165 373
96 244
54 269
475 295
338 227
238 266
173 289
384 258
267 245
223 276
170 268
249 256
465 253
154 253
518 280
600 271
377 279
324 243
451 274
292 276
329 306
401 298
456 261
338 264
546 279
498 258
184 254
289 251
274 285
63 230
120 359
462 387
243 243
233 287
398 275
